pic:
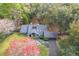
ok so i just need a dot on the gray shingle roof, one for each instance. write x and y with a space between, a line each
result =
50 34
38 30
24 29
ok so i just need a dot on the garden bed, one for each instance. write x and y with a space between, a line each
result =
6 43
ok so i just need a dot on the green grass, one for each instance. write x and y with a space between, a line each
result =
5 44
44 50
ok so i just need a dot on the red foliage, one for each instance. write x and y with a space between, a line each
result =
23 47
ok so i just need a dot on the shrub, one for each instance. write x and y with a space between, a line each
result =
2 36
69 44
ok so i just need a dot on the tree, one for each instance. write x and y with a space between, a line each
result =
62 14
14 11
69 44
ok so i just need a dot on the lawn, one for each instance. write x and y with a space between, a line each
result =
5 44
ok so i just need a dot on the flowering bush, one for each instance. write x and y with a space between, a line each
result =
23 47
6 26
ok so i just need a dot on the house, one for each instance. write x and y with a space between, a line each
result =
37 30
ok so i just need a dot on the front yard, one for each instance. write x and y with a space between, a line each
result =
16 36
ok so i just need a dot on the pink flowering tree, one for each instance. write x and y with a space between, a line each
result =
23 47
6 26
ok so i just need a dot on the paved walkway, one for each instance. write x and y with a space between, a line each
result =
53 49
